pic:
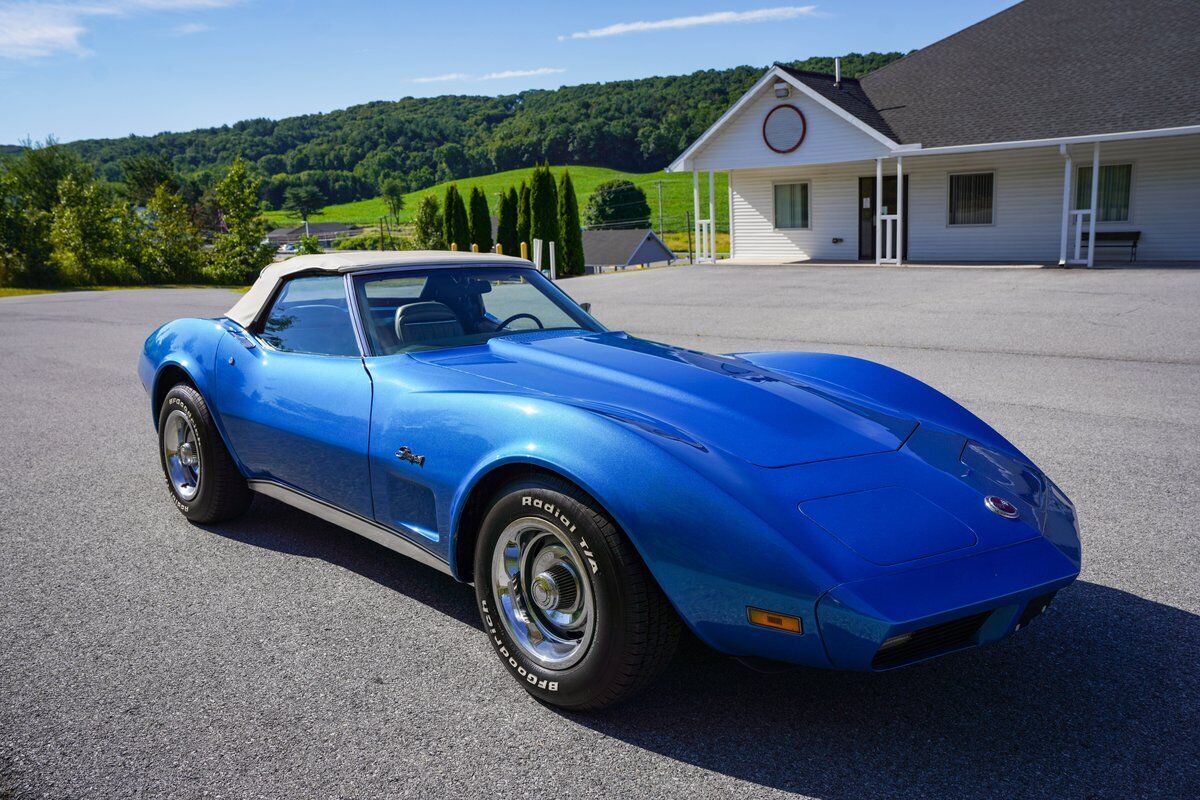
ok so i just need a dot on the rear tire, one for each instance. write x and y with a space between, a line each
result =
200 474
565 599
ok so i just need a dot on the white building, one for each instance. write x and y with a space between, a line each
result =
1052 131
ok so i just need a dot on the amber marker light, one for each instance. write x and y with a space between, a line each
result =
771 619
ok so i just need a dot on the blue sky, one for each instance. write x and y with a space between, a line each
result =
91 68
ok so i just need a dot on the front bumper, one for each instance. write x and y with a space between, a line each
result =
953 605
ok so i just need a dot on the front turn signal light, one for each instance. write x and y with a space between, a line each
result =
772 619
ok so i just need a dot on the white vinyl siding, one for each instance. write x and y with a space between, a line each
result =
1027 205
828 137
971 196
791 205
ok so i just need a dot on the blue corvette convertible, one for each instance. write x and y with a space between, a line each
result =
602 491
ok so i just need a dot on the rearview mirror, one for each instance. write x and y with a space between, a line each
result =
587 307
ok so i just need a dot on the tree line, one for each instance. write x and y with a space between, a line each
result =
634 125
60 225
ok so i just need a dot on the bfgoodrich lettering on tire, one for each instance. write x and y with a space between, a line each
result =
200 474
566 601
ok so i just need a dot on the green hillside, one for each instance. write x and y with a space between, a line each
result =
637 125
676 196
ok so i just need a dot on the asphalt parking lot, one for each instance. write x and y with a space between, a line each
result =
278 656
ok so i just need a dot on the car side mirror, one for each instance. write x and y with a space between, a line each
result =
587 307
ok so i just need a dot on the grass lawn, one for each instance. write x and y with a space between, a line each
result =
677 197
12 291
678 241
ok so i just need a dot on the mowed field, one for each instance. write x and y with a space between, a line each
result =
676 196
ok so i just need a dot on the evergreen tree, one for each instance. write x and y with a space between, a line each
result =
569 251
455 227
523 216
172 249
427 225
543 216
304 201
481 220
239 254
506 230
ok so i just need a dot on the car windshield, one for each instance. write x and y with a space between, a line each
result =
409 310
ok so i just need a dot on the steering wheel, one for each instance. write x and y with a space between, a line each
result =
516 317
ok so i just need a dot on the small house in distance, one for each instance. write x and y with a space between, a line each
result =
623 247
325 232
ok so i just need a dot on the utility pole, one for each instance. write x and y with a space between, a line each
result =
660 217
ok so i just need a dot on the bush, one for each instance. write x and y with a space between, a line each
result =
617 204
308 245
427 225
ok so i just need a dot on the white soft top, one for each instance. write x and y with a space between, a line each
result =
246 310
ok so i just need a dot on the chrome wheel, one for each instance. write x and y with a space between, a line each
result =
544 597
181 453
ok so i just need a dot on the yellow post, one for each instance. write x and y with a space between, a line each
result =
474 248
454 245
499 249
525 250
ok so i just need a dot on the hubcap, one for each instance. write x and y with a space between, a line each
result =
544 603
181 453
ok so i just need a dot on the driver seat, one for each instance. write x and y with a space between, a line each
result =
425 322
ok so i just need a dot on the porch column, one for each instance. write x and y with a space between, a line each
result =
899 210
878 211
1095 199
712 218
696 207
1066 205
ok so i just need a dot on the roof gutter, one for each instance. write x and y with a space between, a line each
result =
1154 133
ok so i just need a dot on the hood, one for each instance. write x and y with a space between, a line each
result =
766 418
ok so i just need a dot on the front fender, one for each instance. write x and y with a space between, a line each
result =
709 551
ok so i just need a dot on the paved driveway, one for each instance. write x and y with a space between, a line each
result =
278 656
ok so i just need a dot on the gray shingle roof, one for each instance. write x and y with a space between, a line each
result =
1041 69
620 246
849 96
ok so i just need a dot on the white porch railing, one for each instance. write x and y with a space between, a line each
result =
1082 218
890 223
705 243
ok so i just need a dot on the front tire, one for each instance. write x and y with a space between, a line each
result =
565 599
200 474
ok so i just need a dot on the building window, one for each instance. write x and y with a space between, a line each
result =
1112 203
791 205
971 196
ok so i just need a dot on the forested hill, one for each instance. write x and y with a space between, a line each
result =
635 125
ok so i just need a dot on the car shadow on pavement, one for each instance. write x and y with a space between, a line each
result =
276 526
1098 698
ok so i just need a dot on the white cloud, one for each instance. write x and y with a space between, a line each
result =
35 30
521 73
715 18
491 76
190 28
449 76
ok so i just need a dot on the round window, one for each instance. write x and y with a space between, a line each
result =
784 128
